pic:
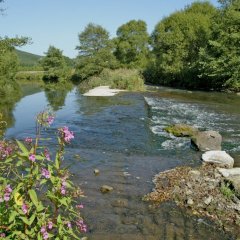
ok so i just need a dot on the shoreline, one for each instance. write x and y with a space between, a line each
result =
102 91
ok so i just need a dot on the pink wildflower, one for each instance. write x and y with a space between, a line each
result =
46 154
82 227
69 225
25 208
32 157
79 206
65 134
28 140
50 225
45 173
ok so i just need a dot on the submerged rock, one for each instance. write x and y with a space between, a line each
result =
96 171
181 130
207 140
106 188
219 158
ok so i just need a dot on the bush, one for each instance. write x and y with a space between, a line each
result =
30 76
37 198
126 79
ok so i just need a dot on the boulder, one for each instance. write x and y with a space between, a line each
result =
229 172
207 140
181 130
219 158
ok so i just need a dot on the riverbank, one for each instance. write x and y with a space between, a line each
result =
203 192
102 91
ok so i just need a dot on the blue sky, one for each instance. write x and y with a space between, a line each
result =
58 22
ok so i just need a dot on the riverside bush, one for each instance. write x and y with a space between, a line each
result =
127 79
38 200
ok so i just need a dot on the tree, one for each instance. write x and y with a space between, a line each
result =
220 61
132 44
177 41
55 66
95 52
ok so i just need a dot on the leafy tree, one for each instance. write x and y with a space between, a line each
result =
132 44
220 61
55 66
95 52
176 43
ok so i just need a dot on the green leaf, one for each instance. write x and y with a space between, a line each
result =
22 147
25 220
33 196
32 218
12 216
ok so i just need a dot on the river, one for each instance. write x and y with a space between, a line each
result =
123 137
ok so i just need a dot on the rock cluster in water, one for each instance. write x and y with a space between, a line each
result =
211 190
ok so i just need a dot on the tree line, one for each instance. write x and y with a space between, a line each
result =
196 48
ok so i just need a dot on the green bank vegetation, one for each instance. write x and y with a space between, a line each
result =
195 48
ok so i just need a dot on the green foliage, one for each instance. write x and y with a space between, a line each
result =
55 67
220 61
127 79
132 44
38 200
226 190
176 42
29 76
95 52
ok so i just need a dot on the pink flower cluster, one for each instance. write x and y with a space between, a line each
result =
32 157
81 225
44 230
7 194
45 173
25 208
46 154
63 187
28 140
65 134
45 118
5 150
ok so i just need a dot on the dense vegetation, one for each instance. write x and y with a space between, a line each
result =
197 48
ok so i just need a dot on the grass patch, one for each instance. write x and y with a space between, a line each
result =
126 79
226 190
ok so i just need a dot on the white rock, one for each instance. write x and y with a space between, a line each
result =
229 172
220 158
102 91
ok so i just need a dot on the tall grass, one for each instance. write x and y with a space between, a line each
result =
127 79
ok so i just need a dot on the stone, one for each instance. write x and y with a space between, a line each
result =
190 202
96 171
229 172
208 200
207 140
106 189
181 130
121 203
194 174
219 158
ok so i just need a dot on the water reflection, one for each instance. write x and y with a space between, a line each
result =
56 98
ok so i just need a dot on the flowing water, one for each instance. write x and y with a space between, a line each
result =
123 137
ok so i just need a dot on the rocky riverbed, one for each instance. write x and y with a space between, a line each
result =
203 191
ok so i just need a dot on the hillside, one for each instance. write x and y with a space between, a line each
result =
27 59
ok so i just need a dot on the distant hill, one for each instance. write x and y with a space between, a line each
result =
27 59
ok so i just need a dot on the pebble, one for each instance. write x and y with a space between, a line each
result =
106 188
96 171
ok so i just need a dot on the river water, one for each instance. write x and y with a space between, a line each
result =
123 137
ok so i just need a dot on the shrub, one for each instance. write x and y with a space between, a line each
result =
127 79
37 198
